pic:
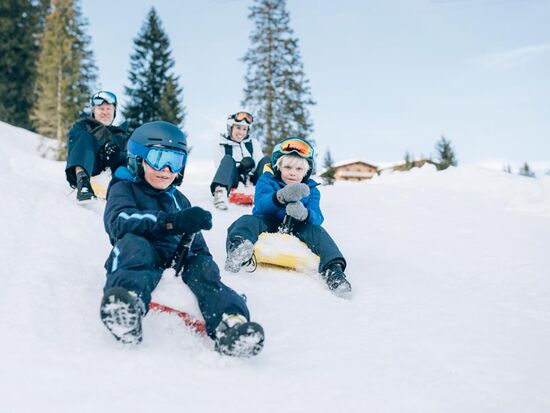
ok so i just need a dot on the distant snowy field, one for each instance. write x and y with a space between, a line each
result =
450 313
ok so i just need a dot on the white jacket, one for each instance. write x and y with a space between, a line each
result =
239 150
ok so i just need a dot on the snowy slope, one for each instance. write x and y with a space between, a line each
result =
450 312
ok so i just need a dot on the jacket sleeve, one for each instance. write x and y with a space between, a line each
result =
218 152
122 215
315 216
265 201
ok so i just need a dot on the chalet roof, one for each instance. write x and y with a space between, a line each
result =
350 162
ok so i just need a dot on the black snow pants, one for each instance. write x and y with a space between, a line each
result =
315 237
135 265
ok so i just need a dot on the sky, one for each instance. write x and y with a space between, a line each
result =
388 76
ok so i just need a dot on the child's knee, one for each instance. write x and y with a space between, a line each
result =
201 268
133 251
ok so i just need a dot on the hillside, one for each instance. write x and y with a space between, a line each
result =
450 313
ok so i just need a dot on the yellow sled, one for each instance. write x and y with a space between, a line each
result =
100 190
284 250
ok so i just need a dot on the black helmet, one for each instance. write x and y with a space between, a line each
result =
156 134
162 134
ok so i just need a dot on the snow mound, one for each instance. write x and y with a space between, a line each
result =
450 311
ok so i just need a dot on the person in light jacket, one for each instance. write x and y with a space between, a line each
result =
239 158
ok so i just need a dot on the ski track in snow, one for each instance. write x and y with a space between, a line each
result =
450 309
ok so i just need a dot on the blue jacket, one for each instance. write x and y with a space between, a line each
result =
267 206
137 208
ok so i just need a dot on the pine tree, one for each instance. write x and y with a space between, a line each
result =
525 170
171 102
409 161
153 91
277 91
66 73
330 171
507 169
21 25
445 154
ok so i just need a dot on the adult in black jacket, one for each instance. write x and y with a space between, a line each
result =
94 145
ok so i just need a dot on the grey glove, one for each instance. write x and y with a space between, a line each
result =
297 210
292 193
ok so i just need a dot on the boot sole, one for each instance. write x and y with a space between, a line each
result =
86 201
121 318
240 257
342 291
245 340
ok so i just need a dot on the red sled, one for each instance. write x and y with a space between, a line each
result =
188 320
240 198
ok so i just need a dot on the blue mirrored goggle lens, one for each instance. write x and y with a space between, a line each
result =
160 158
104 97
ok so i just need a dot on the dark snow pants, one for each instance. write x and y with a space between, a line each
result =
228 174
83 152
135 265
314 236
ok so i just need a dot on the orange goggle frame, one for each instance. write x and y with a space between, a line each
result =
240 116
297 146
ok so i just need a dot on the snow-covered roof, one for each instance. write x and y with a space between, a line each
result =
349 162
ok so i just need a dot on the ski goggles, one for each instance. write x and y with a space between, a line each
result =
159 158
243 116
295 145
103 97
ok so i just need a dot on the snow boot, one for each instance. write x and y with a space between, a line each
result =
336 280
237 337
84 192
240 254
121 311
220 198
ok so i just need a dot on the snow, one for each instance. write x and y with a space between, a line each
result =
450 310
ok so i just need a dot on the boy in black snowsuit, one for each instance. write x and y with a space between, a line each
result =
94 145
146 217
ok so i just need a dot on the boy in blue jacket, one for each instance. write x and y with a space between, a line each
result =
146 217
287 189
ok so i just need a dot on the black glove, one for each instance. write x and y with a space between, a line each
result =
297 210
189 221
292 193
110 154
246 165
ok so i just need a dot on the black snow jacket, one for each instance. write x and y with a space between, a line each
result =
135 207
